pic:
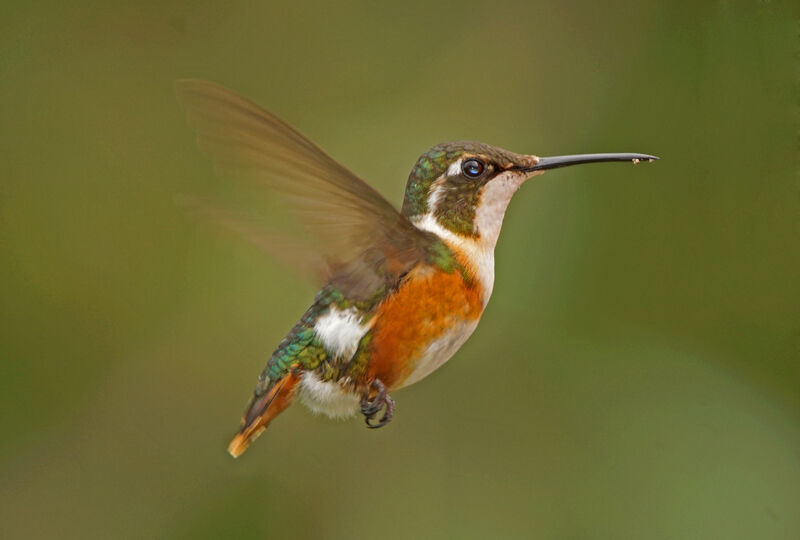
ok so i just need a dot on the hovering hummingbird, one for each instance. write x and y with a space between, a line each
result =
400 291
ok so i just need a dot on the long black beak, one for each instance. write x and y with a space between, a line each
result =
555 162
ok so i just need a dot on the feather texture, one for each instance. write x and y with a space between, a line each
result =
365 242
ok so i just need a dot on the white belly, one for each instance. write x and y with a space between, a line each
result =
340 331
327 397
439 351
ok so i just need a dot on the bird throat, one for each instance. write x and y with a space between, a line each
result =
470 225
474 213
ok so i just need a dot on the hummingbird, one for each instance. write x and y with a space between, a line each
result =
399 291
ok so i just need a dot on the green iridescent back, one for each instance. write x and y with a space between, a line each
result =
302 349
430 166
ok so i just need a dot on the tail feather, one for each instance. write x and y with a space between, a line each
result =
261 411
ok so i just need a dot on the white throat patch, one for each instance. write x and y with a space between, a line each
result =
494 199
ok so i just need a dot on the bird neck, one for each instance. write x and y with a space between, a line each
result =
474 244
476 254
472 220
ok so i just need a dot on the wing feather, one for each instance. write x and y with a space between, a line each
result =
366 242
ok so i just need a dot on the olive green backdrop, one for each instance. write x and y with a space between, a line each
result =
636 374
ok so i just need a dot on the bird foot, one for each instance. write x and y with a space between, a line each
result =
371 407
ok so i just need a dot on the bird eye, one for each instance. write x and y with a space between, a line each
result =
472 168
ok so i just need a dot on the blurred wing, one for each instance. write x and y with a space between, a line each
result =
282 247
365 241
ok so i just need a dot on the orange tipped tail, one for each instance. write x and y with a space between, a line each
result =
261 412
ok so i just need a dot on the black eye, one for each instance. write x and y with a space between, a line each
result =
472 168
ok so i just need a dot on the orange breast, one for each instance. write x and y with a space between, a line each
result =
427 305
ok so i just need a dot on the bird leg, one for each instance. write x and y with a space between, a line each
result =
371 407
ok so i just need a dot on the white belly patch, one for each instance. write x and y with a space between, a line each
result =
327 397
340 331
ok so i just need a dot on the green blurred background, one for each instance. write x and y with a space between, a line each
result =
636 374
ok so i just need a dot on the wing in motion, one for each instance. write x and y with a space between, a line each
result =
366 243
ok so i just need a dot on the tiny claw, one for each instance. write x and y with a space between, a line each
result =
387 415
370 408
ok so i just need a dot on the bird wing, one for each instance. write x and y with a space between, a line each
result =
362 241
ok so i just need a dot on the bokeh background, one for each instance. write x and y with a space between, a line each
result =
636 374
